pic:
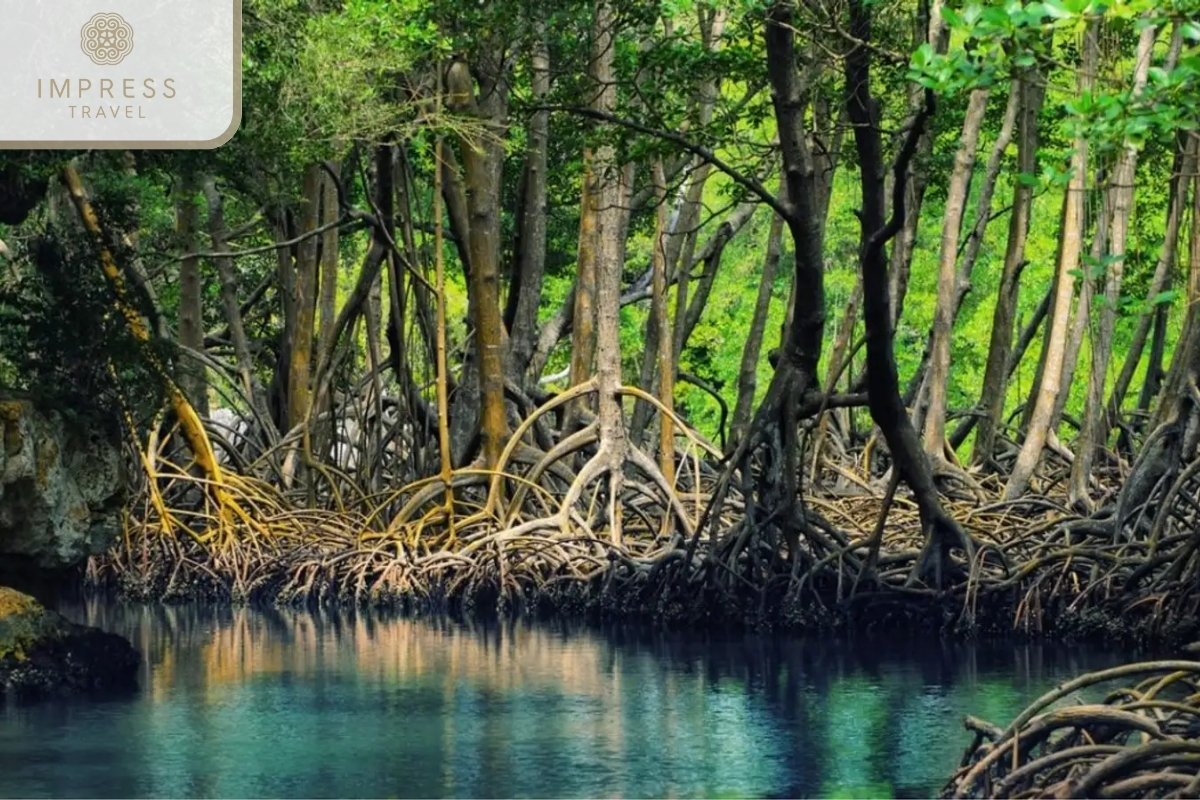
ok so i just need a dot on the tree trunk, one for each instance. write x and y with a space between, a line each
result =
748 371
189 420
285 270
217 234
1091 436
1181 177
886 406
525 290
995 377
1176 384
658 311
943 318
1071 238
304 300
191 298
583 320
483 164
969 250
329 257
1083 308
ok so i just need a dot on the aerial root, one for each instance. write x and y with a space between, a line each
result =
693 541
1129 741
532 522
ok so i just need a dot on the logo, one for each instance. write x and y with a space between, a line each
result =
106 39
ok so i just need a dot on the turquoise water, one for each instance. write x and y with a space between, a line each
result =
252 703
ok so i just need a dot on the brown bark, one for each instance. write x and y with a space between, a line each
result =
983 210
483 163
329 257
611 198
189 420
969 250
944 312
995 379
1060 318
658 310
1181 176
304 298
525 291
1091 437
886 406
285 272
748 371
192 379
583 320
217 234
1083 307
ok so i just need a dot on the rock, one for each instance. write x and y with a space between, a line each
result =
61 488
42 654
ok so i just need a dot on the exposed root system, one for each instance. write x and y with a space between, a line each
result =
538 530
1134 741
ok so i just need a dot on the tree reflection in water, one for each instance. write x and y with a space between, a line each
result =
263 702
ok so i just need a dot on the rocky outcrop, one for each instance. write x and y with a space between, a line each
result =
61 489
42 654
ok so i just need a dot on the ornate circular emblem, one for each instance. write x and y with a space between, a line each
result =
106 38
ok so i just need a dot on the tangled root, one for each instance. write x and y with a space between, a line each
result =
1139 741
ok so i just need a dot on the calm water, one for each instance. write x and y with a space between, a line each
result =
243 703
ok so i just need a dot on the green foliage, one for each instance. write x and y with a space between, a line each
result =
86 369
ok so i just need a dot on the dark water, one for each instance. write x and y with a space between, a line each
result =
243 703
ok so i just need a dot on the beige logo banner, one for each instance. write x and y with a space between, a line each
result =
120 74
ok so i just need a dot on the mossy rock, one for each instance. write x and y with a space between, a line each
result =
44 654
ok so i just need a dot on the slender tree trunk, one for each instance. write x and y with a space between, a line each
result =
191 298
613 186
483 164
327 299
189 420
748 371
1060 318
995 377
583 320
943 317
304 300
658 310
712 263
329 258
285 268
1181 177
969 250
217 234
1154 367
1083 308
983 209
1091 436
931 30
1175 386
525 291
886 406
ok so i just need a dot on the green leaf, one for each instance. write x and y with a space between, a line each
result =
1057 10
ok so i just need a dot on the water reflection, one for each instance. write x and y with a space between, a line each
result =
251 703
